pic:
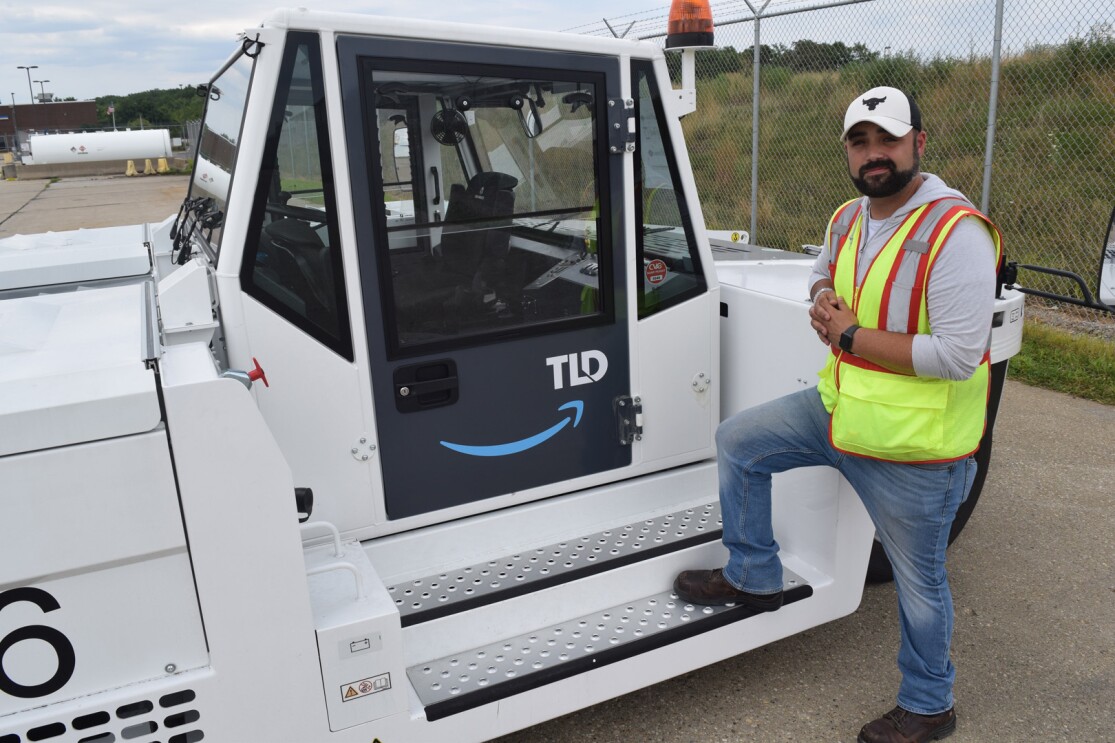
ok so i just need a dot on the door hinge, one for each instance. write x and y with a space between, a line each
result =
629 419
621 125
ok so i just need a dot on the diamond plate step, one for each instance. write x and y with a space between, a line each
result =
440 595
486 674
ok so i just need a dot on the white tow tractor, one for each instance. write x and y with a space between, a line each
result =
402 428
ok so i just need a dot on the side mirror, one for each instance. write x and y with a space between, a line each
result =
1105 292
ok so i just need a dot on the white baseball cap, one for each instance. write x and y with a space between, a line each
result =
890 108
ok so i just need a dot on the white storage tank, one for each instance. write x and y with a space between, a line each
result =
135 144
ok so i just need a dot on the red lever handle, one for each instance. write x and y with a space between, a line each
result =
258 373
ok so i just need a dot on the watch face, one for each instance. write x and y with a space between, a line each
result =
846 338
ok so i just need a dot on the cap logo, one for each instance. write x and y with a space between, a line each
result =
871 103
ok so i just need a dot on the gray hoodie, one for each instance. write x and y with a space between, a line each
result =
961 291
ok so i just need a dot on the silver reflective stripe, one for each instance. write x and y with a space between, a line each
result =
841 227
913 248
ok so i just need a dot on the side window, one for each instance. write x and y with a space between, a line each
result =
495 230
668 263
292 261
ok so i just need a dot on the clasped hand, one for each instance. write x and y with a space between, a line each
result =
830 316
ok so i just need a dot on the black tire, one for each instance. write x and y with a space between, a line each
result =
878 566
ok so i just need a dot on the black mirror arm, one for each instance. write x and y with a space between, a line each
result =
1009 276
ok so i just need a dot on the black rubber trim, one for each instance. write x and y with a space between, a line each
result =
557 579
506 689
693 38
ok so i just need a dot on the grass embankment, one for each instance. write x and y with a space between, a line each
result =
1078 365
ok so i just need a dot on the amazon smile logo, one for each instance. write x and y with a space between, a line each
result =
515 447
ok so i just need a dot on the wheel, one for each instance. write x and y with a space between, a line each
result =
878 566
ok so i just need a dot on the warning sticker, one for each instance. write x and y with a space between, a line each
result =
364 687
735 237
656 272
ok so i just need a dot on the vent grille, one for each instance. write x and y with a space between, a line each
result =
135 722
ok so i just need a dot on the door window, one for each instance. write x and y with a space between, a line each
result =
292 259
491 203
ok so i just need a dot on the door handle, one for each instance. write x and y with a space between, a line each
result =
426 388
430 384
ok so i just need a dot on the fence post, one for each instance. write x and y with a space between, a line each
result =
755 121
992 108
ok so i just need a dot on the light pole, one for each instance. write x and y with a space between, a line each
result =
42 90
15 131
29 88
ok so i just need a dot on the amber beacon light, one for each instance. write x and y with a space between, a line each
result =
690 24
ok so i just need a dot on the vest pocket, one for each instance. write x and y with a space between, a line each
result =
889 416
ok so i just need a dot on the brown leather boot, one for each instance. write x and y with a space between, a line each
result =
709 588
901 726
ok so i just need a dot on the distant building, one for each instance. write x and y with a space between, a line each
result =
44 118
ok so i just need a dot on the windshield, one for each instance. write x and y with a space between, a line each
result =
219 141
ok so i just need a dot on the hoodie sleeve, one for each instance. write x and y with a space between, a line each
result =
961 301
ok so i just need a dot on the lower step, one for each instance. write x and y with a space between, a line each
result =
475 677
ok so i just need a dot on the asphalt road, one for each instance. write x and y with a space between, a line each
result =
1032 579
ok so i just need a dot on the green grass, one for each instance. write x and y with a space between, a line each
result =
1077 365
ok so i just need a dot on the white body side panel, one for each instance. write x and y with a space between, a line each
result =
97 526
71 369
250 581
76 255
765 341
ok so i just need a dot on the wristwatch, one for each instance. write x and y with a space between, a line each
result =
846 338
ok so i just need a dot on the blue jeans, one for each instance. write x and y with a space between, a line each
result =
912 507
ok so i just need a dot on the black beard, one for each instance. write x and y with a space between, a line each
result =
889 185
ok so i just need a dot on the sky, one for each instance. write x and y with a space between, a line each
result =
94 48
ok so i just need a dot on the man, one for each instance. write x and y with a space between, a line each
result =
903 294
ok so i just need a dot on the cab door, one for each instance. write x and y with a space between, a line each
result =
490 239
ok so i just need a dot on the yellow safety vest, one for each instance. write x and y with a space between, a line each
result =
890 415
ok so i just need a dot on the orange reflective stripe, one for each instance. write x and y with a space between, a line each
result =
861 363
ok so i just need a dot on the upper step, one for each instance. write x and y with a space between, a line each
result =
439 595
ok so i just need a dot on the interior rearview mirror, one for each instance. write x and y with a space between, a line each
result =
1106 289
528 116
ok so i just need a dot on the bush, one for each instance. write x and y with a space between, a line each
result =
902 71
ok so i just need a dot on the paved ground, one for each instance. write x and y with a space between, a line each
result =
29 207
1031 574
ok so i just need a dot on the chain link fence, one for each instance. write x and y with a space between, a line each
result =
1051 183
